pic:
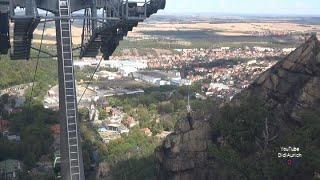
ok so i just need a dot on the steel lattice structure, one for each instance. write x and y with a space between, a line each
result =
101 33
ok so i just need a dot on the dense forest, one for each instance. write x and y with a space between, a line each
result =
33 125
19 72
246 143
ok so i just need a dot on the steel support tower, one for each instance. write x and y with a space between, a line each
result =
70 148
103 34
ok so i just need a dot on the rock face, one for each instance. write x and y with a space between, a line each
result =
183 154
293 84
288 87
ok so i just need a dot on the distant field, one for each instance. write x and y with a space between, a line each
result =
158 38
209 35
50 35
231 28
194 30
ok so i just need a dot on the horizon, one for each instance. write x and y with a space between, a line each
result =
206 14
244 7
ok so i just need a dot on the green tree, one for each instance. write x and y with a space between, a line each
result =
102 113
166 108
83 114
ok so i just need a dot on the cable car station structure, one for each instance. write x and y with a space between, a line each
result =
105 23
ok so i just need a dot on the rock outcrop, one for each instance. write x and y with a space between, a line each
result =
183 154
292 85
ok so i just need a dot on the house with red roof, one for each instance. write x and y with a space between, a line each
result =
55 129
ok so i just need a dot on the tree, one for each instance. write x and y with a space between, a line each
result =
166 108
83 114
29 160
167 123
102 113
36 137
4 99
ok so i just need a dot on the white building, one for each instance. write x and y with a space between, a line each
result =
263 49
288 50
160 77
14 138
219 86
117 128
147 78
127 70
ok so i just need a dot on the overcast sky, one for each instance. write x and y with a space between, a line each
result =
256 7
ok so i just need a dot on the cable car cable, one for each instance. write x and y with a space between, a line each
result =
91 78
37 65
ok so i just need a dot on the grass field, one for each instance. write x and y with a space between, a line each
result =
162 38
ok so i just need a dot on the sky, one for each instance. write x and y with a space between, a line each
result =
254 7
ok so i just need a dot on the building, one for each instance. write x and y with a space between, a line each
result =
160 78
117 128
127 70
138 64
219 86
14 138
9 169
109 132
130 122
146 77
55 129
288 50
180 82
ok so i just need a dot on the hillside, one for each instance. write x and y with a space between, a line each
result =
21 72
279 110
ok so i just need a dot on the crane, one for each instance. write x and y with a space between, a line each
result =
101 33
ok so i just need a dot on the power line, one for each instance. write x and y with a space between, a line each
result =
91 78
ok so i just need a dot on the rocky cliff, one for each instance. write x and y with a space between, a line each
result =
287 88
293 84
184 154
